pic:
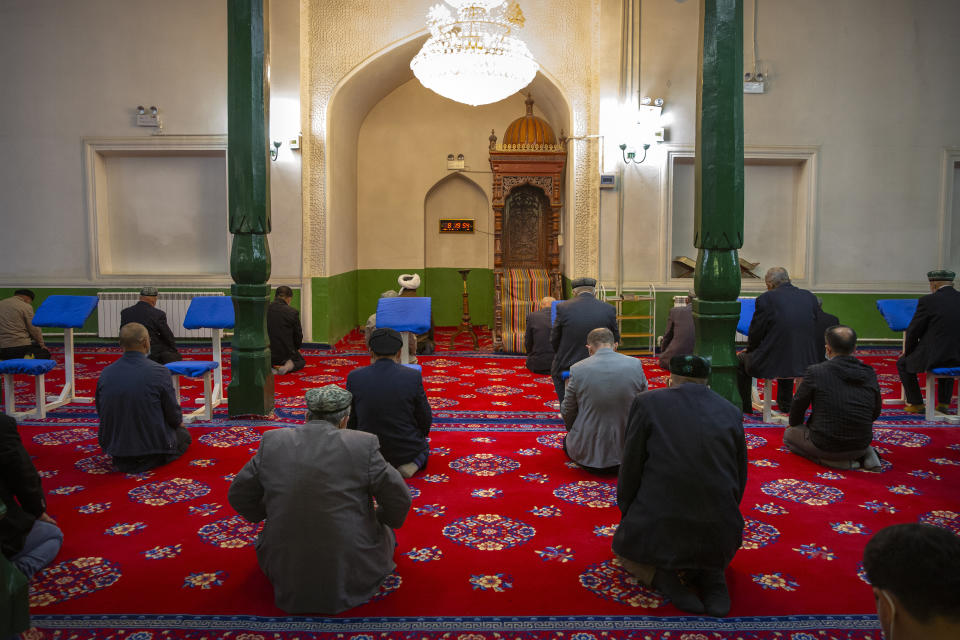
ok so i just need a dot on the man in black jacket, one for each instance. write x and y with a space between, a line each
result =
846 400
390 402
575 319
285 332
932 340
163 346
29 537
683 473
536 340
783 338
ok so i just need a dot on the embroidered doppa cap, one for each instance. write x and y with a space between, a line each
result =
385 342
149 291
328 399
690 366
583 282
941 275
409 280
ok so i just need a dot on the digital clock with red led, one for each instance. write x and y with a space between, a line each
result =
455 225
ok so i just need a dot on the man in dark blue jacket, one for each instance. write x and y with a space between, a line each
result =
163 346
783 338
390 402
932 340
141 424
575 319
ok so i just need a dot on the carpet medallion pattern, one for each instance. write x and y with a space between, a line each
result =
507 539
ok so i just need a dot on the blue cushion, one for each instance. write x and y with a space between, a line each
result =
192 368
747 307
404 314
564 375
26 365
210 312
553 311
898 313
946 371
64 311
414 366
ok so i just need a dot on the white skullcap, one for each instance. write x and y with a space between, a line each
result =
409 281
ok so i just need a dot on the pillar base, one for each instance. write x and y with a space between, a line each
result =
251 377
716 328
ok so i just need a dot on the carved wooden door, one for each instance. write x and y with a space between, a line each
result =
525 228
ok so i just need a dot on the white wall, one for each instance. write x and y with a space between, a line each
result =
871 85
78 69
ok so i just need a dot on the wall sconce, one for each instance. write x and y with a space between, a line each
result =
275 151
644 128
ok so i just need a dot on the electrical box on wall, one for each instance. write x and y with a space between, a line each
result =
608 180
753 87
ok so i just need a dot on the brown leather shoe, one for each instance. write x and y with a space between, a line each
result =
914 408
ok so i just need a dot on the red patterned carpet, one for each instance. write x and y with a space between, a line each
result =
506 539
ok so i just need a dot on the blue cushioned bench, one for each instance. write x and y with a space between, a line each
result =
897 313
931 400
67 313
206 312
31 367
406 315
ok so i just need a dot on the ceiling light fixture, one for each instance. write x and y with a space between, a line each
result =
474 57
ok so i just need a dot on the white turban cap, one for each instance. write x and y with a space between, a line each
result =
409 281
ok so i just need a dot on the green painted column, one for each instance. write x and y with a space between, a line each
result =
718 207
248 163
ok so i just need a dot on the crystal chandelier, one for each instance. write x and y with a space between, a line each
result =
473 57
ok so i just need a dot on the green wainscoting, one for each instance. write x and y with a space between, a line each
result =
346 300
90 326
857 310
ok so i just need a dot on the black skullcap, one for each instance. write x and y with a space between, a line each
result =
24 292
583 282
385 342
941 275
690 366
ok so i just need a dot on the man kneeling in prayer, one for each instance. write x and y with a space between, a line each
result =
390 402
325 546
682 477
846 400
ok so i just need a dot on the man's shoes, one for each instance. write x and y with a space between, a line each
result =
713 591
914 408
407 470
668 583
843 465
871 461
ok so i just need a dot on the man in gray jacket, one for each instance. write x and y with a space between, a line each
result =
597 402
325 547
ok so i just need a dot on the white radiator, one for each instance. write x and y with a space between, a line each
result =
174 303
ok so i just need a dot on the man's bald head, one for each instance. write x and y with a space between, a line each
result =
134 337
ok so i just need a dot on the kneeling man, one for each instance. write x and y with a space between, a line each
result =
682 477
598 398
325 546
141 425
846 400
389 401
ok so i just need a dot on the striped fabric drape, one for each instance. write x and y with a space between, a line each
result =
522 289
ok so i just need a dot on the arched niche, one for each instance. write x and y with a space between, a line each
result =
352 101
456 196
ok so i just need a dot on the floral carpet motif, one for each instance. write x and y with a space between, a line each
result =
523 554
